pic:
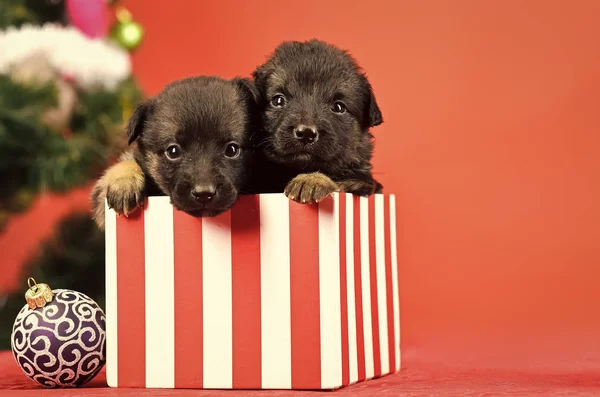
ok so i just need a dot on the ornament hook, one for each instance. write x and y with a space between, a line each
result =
123 14
31 280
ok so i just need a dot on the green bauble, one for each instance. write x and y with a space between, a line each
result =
128 34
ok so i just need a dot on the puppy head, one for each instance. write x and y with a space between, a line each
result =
315 104
193 141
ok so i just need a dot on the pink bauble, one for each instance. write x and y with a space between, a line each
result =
89 16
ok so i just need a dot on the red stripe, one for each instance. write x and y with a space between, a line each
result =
131 307
187 232
374 303
388 281
245 258
304 296
360 335
343 291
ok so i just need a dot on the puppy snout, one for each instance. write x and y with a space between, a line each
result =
204 194
306 134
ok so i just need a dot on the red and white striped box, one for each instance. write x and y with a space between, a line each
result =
269 295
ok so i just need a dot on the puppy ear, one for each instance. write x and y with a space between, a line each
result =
375 116
248 87
260 76
136 123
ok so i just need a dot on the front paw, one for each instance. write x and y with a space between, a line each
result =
125 188
361 187
124 198
310 188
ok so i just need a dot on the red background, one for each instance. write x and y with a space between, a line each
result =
490 142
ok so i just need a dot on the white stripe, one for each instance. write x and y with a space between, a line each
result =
276 342
112 352
352 353
329 292
381 285
366 287
217 301
160 293
395 279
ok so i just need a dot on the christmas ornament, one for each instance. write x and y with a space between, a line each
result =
89 16
127 33
90 62
58 338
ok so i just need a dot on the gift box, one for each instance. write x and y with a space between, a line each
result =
269 295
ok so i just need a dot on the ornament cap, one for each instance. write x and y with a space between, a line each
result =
123 15
38 294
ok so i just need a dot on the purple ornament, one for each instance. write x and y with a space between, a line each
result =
63 343
89 16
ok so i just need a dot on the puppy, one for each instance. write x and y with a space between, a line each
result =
192 143
317 108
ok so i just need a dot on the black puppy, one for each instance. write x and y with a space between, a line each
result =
192 143
317 108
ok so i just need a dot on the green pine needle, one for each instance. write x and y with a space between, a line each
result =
47 159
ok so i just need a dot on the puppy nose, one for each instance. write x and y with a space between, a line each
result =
204 193
306 134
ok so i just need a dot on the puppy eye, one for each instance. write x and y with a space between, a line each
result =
232 150
338 107
173 152
278 101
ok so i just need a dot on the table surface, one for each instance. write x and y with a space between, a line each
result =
418 380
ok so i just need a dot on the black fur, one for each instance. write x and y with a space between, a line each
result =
201 115
313 76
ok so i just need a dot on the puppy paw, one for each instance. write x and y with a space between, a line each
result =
97 198
310 188
361 187
125 184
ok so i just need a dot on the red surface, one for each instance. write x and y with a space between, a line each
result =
490 142
188 301
246 299
419 380
304 297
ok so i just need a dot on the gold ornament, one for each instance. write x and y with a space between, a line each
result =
126 32
38 294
